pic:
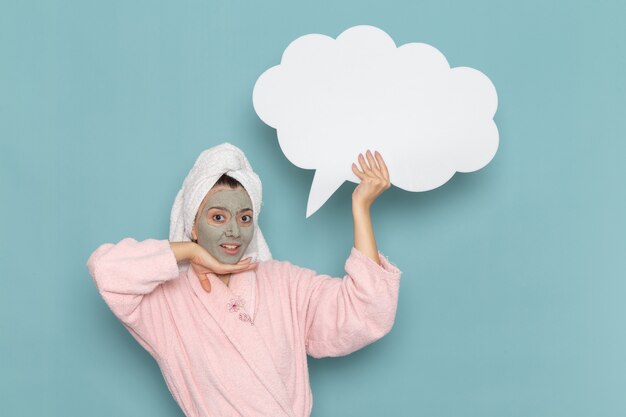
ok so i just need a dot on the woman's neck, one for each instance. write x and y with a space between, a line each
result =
225 278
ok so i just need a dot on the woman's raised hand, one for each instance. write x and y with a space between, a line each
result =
374 177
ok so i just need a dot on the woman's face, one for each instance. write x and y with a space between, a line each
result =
224 224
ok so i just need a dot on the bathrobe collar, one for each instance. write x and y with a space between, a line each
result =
224 304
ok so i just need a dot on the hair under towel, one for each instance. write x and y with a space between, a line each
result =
208 168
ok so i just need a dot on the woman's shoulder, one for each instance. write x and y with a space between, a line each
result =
278 267
272 264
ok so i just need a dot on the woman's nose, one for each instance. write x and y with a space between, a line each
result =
232 228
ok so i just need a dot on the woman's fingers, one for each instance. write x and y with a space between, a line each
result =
373 164
374 177
241 266
383 166
246 266
371 167
356 171
234 268
204 263
384 170
244 261
364 167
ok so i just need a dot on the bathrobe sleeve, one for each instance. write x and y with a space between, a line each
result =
128 276
341 316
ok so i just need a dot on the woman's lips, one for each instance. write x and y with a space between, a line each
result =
230 249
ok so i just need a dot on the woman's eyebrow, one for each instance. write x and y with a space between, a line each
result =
225 209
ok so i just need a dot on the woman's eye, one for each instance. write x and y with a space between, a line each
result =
218 217
246 218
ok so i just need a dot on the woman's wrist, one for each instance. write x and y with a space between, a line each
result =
364 240
360 207
183 251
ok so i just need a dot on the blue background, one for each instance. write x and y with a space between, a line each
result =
513 287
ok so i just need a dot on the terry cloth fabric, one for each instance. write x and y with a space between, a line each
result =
220 356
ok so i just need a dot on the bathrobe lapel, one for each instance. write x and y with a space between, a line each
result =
235 321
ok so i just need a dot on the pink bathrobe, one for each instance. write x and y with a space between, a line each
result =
241 349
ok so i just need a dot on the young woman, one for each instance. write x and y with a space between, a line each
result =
231 332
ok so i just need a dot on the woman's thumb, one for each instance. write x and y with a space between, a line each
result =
204 281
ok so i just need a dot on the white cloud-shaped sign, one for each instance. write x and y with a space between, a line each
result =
330 99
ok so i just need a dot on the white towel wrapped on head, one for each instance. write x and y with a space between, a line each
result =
208 168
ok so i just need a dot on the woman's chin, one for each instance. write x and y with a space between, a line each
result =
228 259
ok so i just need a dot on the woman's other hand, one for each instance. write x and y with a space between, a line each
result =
374 177
374 180
204 263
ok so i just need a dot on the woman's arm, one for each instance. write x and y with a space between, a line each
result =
183 251
128 276
374 180
343 315
340 316
132 268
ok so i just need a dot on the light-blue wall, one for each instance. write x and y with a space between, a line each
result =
514 278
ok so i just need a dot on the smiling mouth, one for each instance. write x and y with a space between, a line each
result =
230 249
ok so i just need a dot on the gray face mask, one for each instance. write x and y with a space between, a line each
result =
226 219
